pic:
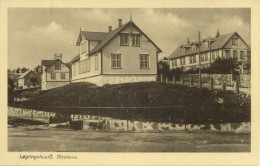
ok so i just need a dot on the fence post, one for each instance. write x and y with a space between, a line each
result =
161 77
182 81
133 119
211 84
236 87
191 81
223 86
185 115
174 80
167 80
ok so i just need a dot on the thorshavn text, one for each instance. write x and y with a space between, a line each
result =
49 157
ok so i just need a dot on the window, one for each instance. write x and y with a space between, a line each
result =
217 54
192 58
116 60
144 61
206 57
242 55
57 66
182 61
194 47
84 47
174 62
227 54
234 41
124 39
135 40
235 54
213 57
53 76
202 57
183 50
62 76
96 62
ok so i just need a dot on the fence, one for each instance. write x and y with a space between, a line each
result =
218 81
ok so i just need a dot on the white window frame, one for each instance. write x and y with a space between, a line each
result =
118 58
134 38
127 40
62 74
53 76
144 60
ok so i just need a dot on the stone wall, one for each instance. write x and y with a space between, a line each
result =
30 114
91 123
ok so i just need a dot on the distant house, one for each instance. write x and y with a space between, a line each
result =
230 45
55 73
29 79
125 54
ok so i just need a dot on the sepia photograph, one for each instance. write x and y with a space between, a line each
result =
129 80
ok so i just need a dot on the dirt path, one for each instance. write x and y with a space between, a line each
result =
44 139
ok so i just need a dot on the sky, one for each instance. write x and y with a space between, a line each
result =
36 34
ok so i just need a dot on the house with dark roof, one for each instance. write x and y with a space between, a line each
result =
29 79
231 45
54 73
125 54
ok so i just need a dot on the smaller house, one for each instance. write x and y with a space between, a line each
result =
55 73
29 79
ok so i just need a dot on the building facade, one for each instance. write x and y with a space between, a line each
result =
55 73
122 55
29 79
229 45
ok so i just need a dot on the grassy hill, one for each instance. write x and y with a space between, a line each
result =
144 94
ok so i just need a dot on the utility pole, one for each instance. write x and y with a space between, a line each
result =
200 83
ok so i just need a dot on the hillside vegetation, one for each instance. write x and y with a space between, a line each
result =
147 94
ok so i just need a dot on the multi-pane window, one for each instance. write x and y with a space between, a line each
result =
206 57
96 62
62 76
213 56
217 54
242 55
202 57
228 55
234 41
84 47
84 66
57 66
235 54
135 40
116 60
174 62
144 61
124 39
182 61
192 58
53 76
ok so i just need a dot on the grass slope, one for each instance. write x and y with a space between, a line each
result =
148 94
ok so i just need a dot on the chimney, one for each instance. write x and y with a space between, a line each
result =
217 34
109 28
60 56
119 22
188 41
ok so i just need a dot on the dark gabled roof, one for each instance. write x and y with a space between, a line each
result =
219 42
27 72
106 38
47 62
113 33
94 36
